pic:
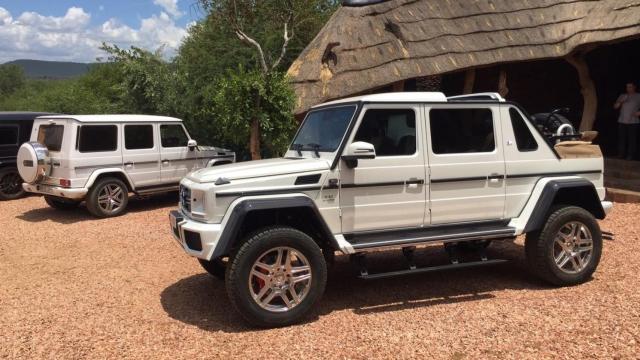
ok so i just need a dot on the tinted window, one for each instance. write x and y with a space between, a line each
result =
391 131
8 135
138 137
97 138
455 131
51 136
524 138
173 136
326 128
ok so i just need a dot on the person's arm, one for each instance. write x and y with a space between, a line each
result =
620 101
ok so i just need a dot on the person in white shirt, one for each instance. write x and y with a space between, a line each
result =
628 122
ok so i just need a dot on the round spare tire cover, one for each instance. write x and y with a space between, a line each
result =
33 161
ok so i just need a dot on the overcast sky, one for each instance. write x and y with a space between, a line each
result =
72 30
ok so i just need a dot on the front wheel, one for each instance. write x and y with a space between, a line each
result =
10 184
276 276
568 248
108 197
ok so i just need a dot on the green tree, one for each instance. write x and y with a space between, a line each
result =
11 79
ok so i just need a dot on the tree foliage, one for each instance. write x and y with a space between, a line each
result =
12 79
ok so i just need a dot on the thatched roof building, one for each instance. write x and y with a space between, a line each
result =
383 42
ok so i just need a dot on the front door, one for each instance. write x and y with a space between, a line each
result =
466 163
176 158
388 192
141 154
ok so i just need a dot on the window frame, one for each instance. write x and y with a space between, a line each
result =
78 138
525 123
455 106
415 108
173 124
50 124
17 138
124 137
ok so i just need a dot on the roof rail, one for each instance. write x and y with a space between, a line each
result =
478 97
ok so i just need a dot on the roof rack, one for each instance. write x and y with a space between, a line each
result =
478 97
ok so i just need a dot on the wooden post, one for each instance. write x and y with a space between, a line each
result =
503 89
398 86
588 90
469 81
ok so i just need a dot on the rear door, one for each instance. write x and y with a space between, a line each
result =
176 159
141 154
466 163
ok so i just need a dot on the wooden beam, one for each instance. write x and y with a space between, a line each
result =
469 81
503 88
588 90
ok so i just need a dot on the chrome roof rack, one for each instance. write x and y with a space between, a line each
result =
478 97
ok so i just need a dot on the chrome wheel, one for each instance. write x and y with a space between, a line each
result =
573 247
111 198
280 279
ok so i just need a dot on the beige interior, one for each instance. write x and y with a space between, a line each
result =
577 149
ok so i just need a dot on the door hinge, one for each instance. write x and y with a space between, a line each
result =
339 212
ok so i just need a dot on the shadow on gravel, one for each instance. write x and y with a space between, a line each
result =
201 300
136 204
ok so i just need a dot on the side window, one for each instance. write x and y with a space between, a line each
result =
8 135
138 137
173 136
391 131
524 139
97 138
456 131
51 136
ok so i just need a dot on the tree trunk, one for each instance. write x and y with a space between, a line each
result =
588 90
503 88
469 81
254 139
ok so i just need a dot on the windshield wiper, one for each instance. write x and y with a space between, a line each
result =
298 148
315 147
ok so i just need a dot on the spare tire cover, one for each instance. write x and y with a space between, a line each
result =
33 161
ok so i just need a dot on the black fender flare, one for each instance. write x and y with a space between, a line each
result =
579 192
243 208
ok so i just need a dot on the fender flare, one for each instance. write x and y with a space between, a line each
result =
95 174
588 199
244 206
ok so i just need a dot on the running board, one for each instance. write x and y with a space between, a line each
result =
445 234
428 269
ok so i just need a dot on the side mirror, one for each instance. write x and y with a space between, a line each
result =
358 150
192 145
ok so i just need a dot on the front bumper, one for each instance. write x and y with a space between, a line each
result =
68 193
607 206
197 239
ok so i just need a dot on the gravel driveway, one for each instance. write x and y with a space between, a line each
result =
72 286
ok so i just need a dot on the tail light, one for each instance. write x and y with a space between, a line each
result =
65 182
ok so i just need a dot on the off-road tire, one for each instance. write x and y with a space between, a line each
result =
60 203
93 204
16 191
241 264
215 267
539 246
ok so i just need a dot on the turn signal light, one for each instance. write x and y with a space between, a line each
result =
65 182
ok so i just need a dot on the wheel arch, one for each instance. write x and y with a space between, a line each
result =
110 172
299 212
578 192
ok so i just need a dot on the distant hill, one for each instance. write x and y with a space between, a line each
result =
38 69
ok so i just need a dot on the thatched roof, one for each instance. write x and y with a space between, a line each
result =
371 46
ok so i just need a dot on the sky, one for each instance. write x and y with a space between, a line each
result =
72 30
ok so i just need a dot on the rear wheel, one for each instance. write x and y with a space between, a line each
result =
108 197
60 203
10 184
215 267
568 248
276 276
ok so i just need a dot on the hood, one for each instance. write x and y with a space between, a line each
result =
259 168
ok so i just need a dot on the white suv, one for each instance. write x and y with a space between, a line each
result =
395 171
103 158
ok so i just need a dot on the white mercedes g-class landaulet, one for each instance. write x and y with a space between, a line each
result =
101 159
395 171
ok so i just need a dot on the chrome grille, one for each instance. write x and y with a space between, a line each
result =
185 198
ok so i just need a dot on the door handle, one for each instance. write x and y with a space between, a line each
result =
413 183
494 178
128 163
165 161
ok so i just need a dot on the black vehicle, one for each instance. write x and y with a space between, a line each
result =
15 129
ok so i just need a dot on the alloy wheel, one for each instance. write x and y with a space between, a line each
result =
111 198
573 247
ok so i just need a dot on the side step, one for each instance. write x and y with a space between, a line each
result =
463 265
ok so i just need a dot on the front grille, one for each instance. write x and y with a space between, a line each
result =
185 198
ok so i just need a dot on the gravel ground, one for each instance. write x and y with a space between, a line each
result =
75 287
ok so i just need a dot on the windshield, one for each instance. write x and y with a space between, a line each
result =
323 130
